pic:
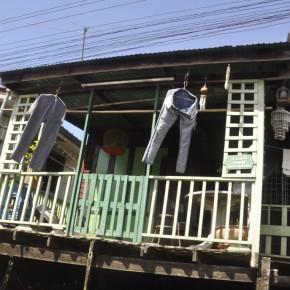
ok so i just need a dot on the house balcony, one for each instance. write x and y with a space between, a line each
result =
177 212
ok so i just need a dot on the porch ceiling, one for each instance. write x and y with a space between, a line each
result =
247 62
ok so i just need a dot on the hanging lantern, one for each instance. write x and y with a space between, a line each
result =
283 96
203 95
280 120
115 142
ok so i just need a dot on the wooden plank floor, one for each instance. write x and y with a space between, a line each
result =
116 255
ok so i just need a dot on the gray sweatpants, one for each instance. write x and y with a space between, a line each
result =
50 110
166 119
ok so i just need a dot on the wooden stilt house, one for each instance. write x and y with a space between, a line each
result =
226 218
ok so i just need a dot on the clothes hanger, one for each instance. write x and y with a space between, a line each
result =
185 82
58 89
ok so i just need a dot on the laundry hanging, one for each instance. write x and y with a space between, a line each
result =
49 109
286 162
178 103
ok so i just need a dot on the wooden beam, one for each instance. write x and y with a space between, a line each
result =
250 55
127 82
263 282
43 254
89 265
282 281
7 273
180 269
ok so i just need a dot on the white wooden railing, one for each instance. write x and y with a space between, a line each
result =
188 210
35 199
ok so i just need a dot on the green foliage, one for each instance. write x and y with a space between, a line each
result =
30 152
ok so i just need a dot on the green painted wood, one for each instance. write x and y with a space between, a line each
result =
145 207
268 245
97 199
121 208
153 123
103 162
284 216
283 249
105 206
139 168
75 190
121 163
139 210
269 230
84 198
113 205
92 179
132 180
156 167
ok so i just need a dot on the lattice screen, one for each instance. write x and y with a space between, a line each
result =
244 128
17 123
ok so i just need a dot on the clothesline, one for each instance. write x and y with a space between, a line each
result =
276 147
217 110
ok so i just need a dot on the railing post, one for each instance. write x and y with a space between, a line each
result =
153 123
142 205
74 197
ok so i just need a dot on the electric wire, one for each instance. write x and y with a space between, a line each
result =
105 33
260 14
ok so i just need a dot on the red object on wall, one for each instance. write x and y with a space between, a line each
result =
116 151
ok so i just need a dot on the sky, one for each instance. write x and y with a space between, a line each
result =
33 33
38 39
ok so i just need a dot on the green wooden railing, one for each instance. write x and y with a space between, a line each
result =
111 206
275 230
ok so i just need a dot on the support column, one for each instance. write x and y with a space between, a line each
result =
90 260
7 273
75 190
143 200
153 122
263 281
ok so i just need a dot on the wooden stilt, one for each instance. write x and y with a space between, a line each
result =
89 265
7 273
263 281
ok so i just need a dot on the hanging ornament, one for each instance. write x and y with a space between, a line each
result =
280 120
203 95
283 96
227 78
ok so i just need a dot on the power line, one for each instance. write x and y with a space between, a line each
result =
183 32
47 11
71 15
127 20
125 28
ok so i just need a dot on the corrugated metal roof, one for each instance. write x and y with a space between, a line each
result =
199 51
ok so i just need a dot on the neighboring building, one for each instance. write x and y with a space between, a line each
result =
224 222
4 118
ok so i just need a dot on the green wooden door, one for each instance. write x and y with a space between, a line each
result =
111 206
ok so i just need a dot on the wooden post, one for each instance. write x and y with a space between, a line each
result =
153 122
7 273
74 197
143 199
263 281
89 265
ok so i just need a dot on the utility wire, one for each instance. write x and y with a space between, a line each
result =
47 11
71 15
161 36
126 28
129 20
